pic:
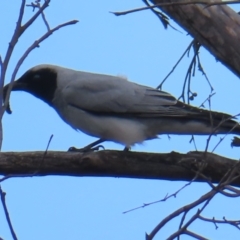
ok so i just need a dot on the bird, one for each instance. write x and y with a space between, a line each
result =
112 108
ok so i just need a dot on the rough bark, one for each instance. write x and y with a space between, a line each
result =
217 28
170 166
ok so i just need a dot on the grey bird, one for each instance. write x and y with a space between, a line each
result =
114 109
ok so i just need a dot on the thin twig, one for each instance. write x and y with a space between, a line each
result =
35 172
3 194
181 210
211 121
207 99
4 63
225 135
192 234
189 74
45 21
188 48
200 68
192 219
192 140
214 130
226 180
165 198
231 195
35 16
163 18
12 44
235 223
37 5
33 46
232 189
1 64
19 30
182 221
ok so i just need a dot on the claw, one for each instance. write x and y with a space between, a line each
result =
235 142
8 108
86 149
127 149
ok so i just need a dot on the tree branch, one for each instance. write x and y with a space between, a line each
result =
170 166
179 211
216 28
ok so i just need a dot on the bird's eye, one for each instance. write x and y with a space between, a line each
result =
36 77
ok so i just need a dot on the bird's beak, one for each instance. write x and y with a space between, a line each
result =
17 85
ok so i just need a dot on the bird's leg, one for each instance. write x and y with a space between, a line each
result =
89 148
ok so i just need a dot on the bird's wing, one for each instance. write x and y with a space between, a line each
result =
109 95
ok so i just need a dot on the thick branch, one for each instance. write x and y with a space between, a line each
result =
170 166
217 28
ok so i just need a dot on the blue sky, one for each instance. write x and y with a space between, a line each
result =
135 46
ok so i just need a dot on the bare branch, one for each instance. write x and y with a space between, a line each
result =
173 4
125 164
17 33
225 135
188 48
4 63
182 221
232 189
227 179
192 140
200 68
1 62
3 194
172 166
235 223
12 45
37 5
203 24
215 129
190 73
35 16
193 218
32 47
45 21
207 99
181 210
192 234
165 198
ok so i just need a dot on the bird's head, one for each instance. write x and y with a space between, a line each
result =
40 81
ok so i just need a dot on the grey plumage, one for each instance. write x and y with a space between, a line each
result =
115 109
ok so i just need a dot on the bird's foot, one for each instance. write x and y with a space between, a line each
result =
127 149
235 142
86 149
89 148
